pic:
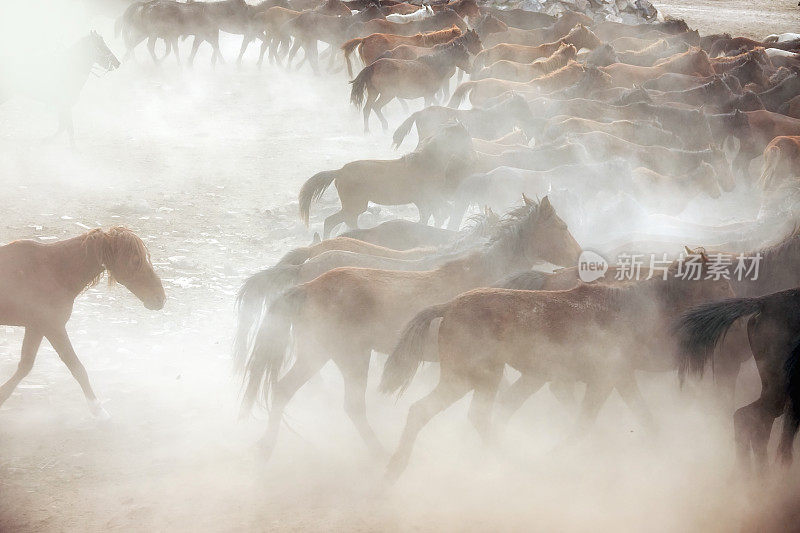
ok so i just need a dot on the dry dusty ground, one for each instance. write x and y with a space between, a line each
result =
205 165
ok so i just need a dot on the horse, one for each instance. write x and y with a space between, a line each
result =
387 79
645 133
371 47
441 20
781 161
309 27
272 23
416 178
773 322
488 123
60 84
346 313
402 234
424 12
39 284
599 334
512 71
694 61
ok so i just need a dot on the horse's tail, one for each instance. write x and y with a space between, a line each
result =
532 280
772 156
407 354
793 389
701 328
360 85
271 347
255 295
348 48
312 189
401 132
459 94
298 256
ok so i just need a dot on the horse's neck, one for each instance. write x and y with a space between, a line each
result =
78 261
77 67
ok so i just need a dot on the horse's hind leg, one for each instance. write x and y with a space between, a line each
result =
450 388
597 392
354 367
151 47
246 38
632 396
195 47
480 410
305 366
30 345
174 45
62 345
370 100
511 399
378 106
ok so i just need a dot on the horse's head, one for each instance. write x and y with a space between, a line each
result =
461 57
473 42
602 56
490 24
544 235
127 261
101 55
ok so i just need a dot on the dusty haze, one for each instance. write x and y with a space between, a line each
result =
205 166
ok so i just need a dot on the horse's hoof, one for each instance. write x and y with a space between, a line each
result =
98 411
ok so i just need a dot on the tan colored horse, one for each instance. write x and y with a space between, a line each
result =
524 72
417 178
346 313
39 284
694 62
482 90
594 333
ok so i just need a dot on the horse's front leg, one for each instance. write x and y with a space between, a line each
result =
62 345
246 38
151 47
30 345
354 366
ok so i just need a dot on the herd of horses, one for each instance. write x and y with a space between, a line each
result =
654 109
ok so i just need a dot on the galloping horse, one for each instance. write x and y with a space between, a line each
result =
598 334
346 313
39 284
63 80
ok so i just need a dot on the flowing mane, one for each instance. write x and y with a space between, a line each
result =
117 248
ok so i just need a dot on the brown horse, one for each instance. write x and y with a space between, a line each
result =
694 61
272 22
346 313
566 21
594 333
374 46
579 37
469 39
387 79
509 70
39 284
416 178
439 21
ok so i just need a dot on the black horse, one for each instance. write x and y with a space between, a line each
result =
773 331
59 85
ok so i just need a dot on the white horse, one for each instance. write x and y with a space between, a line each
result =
422 13
780 37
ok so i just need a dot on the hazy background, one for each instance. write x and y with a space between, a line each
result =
205 166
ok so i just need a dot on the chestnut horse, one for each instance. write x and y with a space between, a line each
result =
598 334
39 284
513 71
346 313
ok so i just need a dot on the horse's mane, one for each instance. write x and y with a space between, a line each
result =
113 246
446 31
789 244
571 65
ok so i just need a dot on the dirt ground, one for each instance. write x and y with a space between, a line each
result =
205 165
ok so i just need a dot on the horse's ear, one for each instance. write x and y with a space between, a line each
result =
545 203
527 200
689 251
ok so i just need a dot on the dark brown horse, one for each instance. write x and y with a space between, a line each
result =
346 313
39 284
773 330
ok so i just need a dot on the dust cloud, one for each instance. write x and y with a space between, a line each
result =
205 164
